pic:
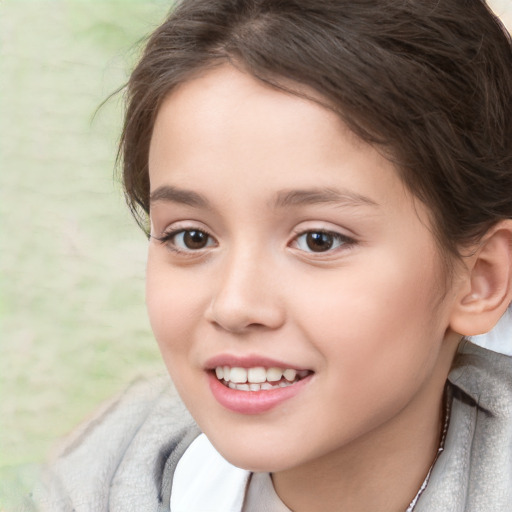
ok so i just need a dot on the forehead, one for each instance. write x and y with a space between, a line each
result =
224 105
227 120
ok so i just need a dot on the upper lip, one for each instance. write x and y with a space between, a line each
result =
248 361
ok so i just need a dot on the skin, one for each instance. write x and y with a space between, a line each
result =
370 317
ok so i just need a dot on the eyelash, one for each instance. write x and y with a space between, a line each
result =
167 240
337 238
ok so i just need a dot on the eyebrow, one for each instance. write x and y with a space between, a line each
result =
321 196
180 196
283 199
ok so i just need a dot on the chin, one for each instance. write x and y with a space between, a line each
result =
256 462
257 457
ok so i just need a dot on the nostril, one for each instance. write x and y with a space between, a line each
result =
244 315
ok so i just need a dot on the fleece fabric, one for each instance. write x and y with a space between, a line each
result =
123 459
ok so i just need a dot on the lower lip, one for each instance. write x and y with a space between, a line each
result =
253 402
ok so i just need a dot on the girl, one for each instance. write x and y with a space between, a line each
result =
326 186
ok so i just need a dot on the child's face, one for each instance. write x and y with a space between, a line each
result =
296 245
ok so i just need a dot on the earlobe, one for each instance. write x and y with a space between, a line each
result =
486 290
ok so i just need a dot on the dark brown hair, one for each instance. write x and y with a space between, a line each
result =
429 81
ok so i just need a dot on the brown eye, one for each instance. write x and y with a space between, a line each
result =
187 240
193 239
319 241
322 241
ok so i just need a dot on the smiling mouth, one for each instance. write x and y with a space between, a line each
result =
258 378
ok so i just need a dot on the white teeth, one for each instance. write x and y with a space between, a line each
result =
237 375
257 375
274 374
289 375
258 378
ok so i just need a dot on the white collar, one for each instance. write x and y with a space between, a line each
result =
204 481
499 338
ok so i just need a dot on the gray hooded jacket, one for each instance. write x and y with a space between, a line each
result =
123 459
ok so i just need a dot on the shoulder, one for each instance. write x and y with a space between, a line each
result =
474 473
485 377
116 460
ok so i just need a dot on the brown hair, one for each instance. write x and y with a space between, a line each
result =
428 81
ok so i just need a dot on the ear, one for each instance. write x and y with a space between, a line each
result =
486 287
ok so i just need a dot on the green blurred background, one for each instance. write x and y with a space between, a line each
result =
73 324
73 327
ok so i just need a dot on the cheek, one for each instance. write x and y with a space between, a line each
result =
379 340
171 301
378 313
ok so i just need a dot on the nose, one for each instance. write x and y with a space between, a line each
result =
246 296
